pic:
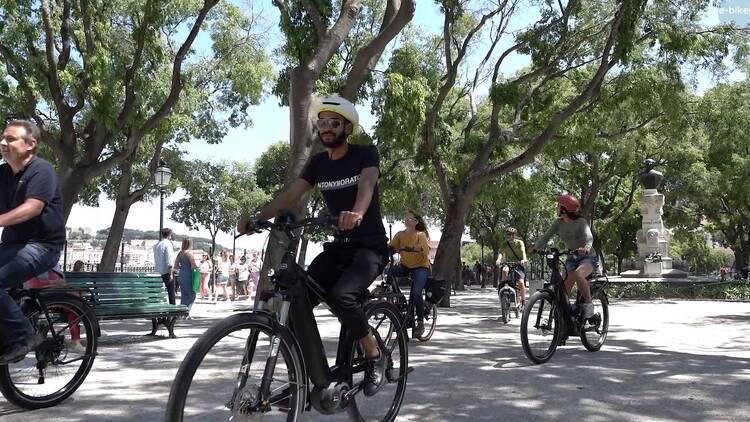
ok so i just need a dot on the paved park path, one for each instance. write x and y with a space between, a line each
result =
663 361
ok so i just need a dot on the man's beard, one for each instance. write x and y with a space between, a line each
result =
337 141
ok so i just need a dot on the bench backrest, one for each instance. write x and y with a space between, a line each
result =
113 289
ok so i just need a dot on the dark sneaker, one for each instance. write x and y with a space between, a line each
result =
18 350
419 329
374 374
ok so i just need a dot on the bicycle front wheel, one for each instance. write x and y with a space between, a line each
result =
385 322
62 361
540 327
221 376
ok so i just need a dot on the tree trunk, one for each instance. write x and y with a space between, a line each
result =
301 140
114 239
740 260
448 257
122 208
72 180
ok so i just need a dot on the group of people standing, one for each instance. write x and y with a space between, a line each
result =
178 270
241 277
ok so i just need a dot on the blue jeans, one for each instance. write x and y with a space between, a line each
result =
187 295
18 263
418 281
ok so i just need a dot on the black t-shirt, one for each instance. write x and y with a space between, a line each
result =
337 181
37 180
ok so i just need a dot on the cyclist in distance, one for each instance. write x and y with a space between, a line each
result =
513 250
574 231
33 234
347 176
411 243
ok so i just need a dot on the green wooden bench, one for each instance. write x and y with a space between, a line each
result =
118 296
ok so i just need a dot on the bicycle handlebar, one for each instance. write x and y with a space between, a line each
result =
287 224
556 252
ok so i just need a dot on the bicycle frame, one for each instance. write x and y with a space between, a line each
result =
570 326
296 314
556 286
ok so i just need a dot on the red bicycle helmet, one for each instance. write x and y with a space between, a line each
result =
569 202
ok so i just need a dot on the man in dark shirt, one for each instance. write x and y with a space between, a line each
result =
347 176
33 230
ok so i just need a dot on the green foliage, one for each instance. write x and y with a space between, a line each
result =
713 187
271 167
513 201
717 291
216 195
106 96
693 248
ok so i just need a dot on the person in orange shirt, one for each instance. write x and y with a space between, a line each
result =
411 244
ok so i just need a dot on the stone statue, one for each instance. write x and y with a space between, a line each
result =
650 178
653 238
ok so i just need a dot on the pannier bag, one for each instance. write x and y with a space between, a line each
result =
435 289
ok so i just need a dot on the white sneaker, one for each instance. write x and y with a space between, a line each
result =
588 310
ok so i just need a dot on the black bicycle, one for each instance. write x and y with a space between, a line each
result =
60 364
263 365
390 291
549 318
507 292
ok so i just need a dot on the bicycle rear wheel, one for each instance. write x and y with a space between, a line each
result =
594 332
61 363
220 377
385 321
540 327
430 321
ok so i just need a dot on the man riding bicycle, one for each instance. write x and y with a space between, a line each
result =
513 251
33 230
347 176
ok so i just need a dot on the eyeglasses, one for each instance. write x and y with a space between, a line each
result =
10 139
329 123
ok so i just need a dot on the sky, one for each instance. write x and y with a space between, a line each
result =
270 125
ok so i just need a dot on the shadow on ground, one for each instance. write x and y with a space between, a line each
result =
474 369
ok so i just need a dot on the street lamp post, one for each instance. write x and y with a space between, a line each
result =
161 179
389 218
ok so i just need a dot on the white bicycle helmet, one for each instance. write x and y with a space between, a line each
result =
337 105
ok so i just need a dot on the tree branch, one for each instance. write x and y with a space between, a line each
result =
557 120
65 35
330 44
317 20
128 105
52 76
368 56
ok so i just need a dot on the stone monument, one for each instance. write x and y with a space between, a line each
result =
653 238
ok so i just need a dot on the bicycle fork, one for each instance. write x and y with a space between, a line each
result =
273 355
